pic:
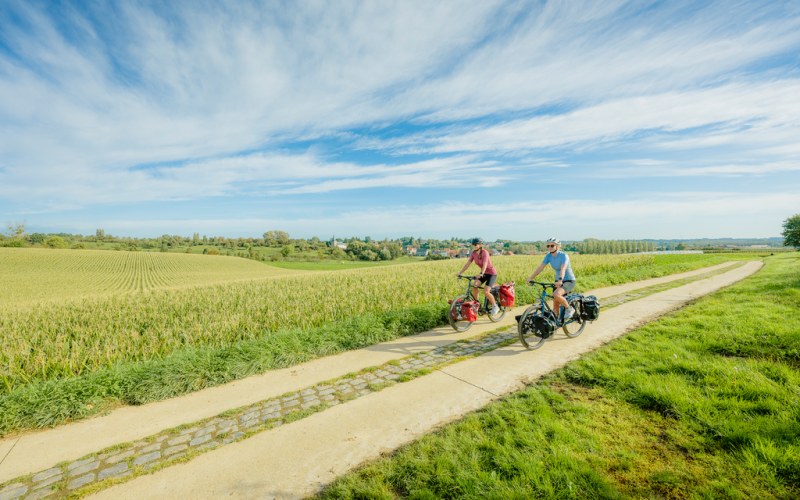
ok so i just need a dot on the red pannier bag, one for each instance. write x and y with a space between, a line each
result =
469 310
507 294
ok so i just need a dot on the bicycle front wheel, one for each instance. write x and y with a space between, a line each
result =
454 315
528 334
576 324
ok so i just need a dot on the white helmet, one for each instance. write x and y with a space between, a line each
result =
554 240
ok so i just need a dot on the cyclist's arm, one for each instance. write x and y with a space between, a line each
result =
537 271
562 271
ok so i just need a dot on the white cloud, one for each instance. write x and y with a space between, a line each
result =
259 174
649 215
573 52
672 169
652 215
763 114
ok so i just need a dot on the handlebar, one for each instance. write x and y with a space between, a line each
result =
470 278
542 284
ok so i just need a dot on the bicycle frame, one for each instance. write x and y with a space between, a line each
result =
544 306
531 336
485 302
484 306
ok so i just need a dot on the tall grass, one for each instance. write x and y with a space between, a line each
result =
701 404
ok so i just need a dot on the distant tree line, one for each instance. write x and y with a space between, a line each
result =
279 245
596 246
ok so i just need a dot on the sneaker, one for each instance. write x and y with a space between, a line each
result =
494 310
570 312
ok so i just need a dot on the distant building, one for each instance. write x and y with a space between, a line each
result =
338 244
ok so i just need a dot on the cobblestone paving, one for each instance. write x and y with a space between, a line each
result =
180 444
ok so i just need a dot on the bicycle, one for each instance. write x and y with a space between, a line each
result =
539 322
461 323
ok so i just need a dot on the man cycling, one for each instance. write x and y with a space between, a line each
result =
488 275
565 278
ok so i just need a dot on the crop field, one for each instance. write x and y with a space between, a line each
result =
131 307
33 275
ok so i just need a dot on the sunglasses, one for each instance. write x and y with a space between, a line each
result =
551 246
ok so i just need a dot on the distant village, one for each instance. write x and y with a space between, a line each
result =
453 251
279 245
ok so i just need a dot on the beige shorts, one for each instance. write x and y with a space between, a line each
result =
568 286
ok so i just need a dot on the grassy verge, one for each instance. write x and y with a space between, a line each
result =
701 404
53 402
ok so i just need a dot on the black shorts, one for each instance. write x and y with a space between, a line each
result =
488 279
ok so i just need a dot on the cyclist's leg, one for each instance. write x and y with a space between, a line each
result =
475 284
489 281
559 301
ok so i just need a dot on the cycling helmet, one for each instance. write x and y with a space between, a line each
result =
477 241
554 240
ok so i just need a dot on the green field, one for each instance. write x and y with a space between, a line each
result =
35 275
84 330
339 265
703 403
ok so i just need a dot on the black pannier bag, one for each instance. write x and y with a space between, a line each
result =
590 308
544 325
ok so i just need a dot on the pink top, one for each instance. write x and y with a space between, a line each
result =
481 256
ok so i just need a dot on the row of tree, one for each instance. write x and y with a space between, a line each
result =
350 248
612 246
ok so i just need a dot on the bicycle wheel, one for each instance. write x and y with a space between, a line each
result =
501 311
528 335
576 324
454 315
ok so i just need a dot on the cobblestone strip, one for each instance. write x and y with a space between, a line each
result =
122 461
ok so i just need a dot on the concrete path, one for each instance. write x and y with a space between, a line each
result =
296 459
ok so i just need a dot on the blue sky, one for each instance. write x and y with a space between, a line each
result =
513 120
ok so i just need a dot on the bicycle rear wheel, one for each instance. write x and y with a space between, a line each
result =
454 315
576 324
501 311
528 334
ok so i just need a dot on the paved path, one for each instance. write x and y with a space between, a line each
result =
296 459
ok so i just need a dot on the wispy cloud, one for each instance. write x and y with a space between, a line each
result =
731 113
651 215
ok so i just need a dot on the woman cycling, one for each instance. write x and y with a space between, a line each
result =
488 275
565 278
